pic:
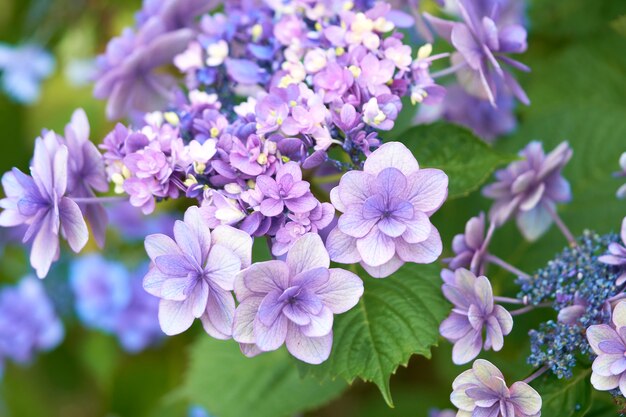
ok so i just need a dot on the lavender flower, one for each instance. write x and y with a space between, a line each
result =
617 255
468 247
293 302
287 190
482 391
473 311
609 343
621 192
386 212
442 413
39 202
530 189
194 274
482 43
28 323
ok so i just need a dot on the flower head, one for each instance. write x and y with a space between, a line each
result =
386 209
194 274
609 343
39 201
474 310
287 190
468 247
617 255
293 302
482 391
529 189
28 322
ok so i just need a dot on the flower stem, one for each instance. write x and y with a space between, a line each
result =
561 225
98 200
422 28
507 300
505 265
536 374
526 309
480 268
450 70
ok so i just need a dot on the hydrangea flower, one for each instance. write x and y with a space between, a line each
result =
293 302
40 202
617 255
287 190
28 322
474 311
621 192
482 391
23 68
468 247
609 343
529 189
482 43
386 209
194 273
442 413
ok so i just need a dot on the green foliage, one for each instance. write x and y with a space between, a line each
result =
466 159
228 384
396 318
565 398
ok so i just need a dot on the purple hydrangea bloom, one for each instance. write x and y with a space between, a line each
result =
474 310
482 42
28 322
100 290
287 190
194 274
468 247
621 192
617 255
300 224
40 202
293 302
482 391
530 189
442 413
86 172
609 343
23 69
386 209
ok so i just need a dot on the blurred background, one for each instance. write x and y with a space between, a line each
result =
577 52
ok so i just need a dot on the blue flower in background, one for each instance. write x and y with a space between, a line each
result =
101 289
22 69
110 298
28 322
197 411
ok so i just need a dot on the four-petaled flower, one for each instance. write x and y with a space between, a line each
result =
530 188
195 274
40 202
609 343
474 310
386 212
482 391
287 189
293 302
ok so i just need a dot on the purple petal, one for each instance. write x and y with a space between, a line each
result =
178 289
303 204
222 267
220 311
320 324
599 333
391 154
619 315
188 242
467 348
174 265
341 292
527 401
313 350
239 242
354 188
175 316
73 224
354 224
604 383
243 321
153 281
534 223
424 252
270 338
271 207
158 245
342 248
428 189
455 327
271 308
265 277
307 253
384 270
45 247
199 229
376 248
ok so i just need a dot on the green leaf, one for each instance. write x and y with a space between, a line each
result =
565 398
466 159
228 384
396 318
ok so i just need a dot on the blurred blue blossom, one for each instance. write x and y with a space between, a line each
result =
22 69
111 299
197 411
28 322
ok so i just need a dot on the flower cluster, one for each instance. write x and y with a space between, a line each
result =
28 322
110 298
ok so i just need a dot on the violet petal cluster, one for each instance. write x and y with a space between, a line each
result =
28 322
529 189
293 302
482 391
609 343
474 312
386 209
468 247
194 274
